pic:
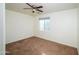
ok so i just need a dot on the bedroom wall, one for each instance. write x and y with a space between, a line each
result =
63 27
18 26
78 30
1 28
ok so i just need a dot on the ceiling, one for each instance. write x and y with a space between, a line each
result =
47 7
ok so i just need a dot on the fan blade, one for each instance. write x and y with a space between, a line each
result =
40 7
39 10
30 5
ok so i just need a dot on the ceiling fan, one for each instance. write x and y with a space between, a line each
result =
34 8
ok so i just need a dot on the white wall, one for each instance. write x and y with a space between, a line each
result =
18 26
1 28
78 31
63 27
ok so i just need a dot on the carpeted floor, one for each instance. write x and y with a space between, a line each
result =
38 46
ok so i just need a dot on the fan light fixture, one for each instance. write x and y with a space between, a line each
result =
35 8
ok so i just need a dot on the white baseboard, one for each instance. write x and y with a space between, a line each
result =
19 39
55 41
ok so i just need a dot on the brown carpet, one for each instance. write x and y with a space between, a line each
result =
38 46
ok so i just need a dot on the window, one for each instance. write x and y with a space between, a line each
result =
41 25
44 24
